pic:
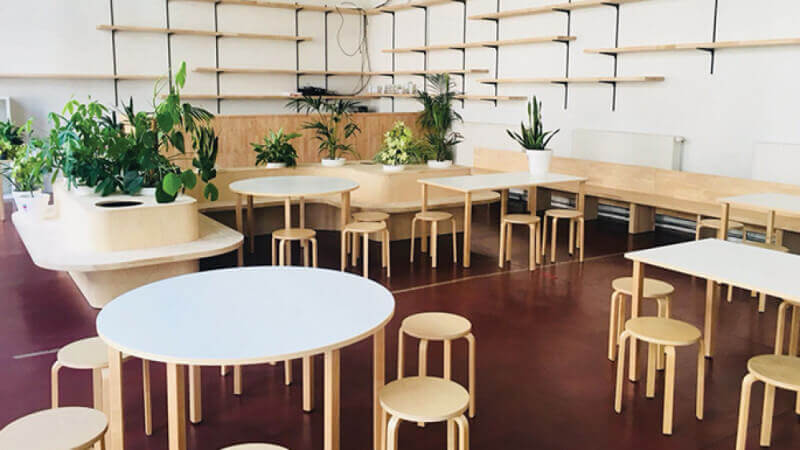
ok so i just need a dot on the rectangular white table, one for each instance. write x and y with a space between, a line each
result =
758 269
769 203
467 184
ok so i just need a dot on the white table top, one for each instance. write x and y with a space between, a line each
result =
293 186
770 201
746 266
246 315
492 181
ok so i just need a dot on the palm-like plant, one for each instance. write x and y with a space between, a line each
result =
533 136
438 116
334 123
276 149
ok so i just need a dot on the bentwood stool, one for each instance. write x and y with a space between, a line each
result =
774 371
92 354
444 327
669 333
59 428
575 218
623 289
425 400
367 216
365 229
284 238
255 446
434 217
506 225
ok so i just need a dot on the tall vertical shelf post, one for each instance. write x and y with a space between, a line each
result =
113 53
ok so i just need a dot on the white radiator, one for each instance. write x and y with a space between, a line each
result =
776 162
638 149
5 109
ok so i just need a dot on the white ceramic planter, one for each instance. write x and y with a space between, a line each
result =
31 202
276 165
393 169
149 191
433 164
539 161
338 162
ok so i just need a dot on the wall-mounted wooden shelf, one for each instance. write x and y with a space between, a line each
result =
490 44
80 76
696 46
178 31
334 72
562 80
492 98
559 7
267 97
411 5
278 5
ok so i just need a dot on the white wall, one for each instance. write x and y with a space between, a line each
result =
752 97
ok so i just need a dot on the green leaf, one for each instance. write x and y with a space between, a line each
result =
172 184
165 122
180 77
178 142
210 192
163 197
189 179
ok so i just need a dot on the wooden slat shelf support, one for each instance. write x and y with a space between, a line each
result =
696 46
559 7
221 34
583 80
80 76
336 72
482 44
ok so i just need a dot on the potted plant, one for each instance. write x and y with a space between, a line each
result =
333 125
437 119
534 139
26 174
399 148
276 151
12 140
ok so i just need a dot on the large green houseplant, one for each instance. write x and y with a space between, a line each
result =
399 148
534 139
12 138
25 172
437 119
333 125
276 151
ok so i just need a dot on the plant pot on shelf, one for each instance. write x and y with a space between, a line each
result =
338 162
34 203
539 161
434 164
393 168
276 165
149 191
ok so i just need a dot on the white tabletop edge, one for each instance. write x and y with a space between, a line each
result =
505 180
766 202
324 186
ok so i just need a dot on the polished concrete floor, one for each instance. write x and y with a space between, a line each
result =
543 379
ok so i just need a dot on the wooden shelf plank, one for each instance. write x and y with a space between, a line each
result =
459 46
279 5
492 97
560 80
334 72
179 31
349 97
580 4
410 5
80 76
697 46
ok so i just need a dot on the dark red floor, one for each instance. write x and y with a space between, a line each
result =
543 380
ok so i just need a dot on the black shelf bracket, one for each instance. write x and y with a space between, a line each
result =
114 53
712 51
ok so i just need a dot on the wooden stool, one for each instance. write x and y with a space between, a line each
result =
574 217
438 326
774 371
670 333
425 400
59 428
255 446
92 354
284 239
434 217
367 216
367 228
506 226
652 289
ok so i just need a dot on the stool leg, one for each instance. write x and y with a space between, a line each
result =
582 236
98 397
448 359
274 260
147 398
423 364
532 247
391 433
539 243
237 380
471 382
356 247
509 240
304 245
455 240
434 239
544 235
613 328
308 383
669 390
766 414
383 249
195 398
401 357
388 255
343 259
366 255
314 251
662 312
413 238
223 371
553 247
287 372
697 229
780 328
463 433
701 380
730 293
652 354
762 302
623 314
54 384
571 237
744 411
623 341
451 434
502 251
281 253
794 330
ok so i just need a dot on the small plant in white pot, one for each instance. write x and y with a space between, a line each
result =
333 126
276 152
437 119
534 139
26 175
399 148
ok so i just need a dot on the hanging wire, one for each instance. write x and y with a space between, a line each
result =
362 46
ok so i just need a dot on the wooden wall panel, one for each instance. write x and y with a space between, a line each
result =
237 132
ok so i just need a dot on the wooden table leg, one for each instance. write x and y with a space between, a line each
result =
332 407
467 228
287 224
308 383
532 200
240 228
344 218
581 200
503 204
302 212
195 395
423 234
251 224
770 226
176 406
723 226
708 329
636 303
378 380
116 421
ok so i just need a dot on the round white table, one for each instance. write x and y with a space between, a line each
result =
289 187
244 316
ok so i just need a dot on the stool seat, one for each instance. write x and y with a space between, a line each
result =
521 219
433 216
294 234
663 331
436 326
59 428
717 223
370 216
89 353
780 370
424 399
255 446
652 289
365 227
564 213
